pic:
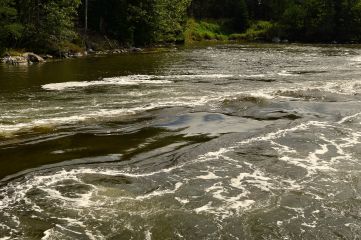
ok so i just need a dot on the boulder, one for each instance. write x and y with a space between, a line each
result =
76 55
134 49
47 56
32 57
18 60
117 51
276 40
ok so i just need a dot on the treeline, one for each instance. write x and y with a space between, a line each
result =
295 20
138 22
38 24
55 25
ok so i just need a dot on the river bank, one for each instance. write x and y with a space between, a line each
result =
24 58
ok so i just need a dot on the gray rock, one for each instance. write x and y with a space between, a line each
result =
18 60
276 40
117 51
136 49
47 56
77 55
32 57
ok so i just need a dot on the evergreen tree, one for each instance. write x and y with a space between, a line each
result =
10 29
49 24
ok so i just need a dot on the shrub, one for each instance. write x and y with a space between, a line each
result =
206 30
260 30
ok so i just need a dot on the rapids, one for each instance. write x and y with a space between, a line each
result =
207 142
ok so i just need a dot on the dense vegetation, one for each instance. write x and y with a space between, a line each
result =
58 25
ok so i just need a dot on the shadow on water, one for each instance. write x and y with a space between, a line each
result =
14 78
77 148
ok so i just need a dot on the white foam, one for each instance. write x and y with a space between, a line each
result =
348 118
181 200
160 193
356 59
130 80
209 176
205 208
286 73
257 179
254 76
148 235
47 234
197 76
126 80
311 225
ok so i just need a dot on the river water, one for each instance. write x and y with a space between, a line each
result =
208 142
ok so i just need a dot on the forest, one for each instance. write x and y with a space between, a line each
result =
53 25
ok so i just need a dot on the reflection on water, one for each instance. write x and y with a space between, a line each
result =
220 142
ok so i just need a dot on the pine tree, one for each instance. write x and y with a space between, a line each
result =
10 29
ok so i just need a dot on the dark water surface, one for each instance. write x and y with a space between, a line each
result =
221 142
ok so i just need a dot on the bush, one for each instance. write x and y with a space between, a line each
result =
206 30
260 30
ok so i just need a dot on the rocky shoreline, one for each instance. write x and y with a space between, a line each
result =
29 58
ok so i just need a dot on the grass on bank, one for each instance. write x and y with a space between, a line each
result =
205 30
220 30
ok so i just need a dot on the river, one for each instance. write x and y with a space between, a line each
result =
254 141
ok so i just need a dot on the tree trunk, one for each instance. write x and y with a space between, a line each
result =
86 16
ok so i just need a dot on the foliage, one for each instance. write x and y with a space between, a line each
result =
234 10
259 30
57 30
10 29
56 25
139 22
170 19
206 30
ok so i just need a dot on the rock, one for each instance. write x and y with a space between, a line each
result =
18 60
64 55
32 57
76 55
136 49
276 40
47 56
117 51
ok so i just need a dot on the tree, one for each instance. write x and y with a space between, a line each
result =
10 29
169 20
293 22
49 24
